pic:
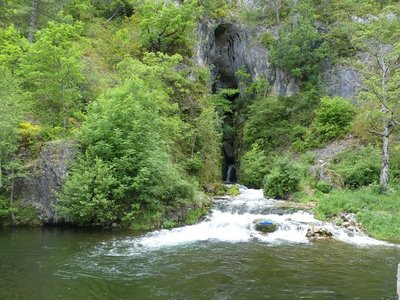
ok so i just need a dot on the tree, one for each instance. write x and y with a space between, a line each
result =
166 26
12 47
33 20
380 88
253 167
52 70
12 109
298 49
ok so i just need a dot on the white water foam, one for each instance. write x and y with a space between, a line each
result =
233 220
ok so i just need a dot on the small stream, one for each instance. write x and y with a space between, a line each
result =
222 257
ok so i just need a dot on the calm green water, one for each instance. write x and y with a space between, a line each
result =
72 264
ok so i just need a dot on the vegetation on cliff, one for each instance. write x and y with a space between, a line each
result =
119 76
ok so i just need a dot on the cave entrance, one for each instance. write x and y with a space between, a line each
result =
227 59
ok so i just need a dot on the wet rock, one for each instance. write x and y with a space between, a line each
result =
317 232
350 223
266 226
346 224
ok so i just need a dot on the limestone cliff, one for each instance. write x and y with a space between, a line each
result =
227 45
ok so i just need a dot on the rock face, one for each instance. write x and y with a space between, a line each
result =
242 41
340 80
227 47
45 176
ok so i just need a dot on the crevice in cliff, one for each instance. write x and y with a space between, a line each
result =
227 57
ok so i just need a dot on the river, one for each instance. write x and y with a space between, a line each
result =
222 257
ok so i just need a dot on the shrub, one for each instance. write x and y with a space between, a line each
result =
283 180
4 209
298 49
126 167
88 195
358 168
253 167
333 118
277 122
324 186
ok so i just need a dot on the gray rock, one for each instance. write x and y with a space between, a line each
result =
46 176
340 80
317 232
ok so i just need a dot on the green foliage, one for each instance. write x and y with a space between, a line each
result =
27 214
253 167
333 119
194 128
12 46
52 71
216 9
298 49
166 26
13 106
379 214
324 186
277 122
233 190
358 168
283 180
223 100
5 209
122 130
89 195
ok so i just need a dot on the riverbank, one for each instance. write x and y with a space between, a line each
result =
378 213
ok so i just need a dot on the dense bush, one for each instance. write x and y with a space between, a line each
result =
253 167
324 186
283 180
358 168
90 195
126 166
333 118
276 122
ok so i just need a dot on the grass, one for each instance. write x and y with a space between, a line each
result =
378 213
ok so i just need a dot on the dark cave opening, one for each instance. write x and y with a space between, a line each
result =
226 61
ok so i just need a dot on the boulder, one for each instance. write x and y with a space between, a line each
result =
266 226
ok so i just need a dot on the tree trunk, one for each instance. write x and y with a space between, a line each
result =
384 180
1 176
33 20
64 104
277 7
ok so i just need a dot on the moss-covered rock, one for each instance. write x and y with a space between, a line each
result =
233 190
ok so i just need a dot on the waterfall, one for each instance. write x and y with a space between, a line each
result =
231 173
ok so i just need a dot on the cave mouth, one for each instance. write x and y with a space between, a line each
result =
227 60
